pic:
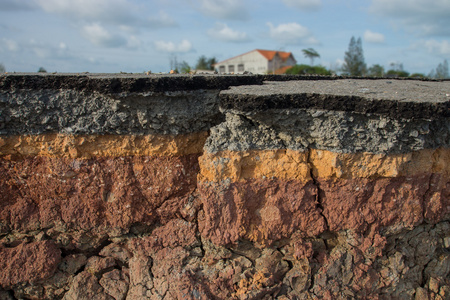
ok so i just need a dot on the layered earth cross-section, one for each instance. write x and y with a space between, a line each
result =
219 187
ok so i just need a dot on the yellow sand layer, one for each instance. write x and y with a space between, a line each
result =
86 146
233 165
242 165
290 164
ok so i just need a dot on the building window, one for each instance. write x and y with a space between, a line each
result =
222 69
231 68
241 68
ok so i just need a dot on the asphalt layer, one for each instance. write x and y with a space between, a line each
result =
396 98
383 89
393 97
124 83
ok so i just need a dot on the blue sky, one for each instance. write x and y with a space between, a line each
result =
137 35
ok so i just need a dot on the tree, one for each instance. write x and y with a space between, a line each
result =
204 63
42 70
211 62
2 68
397 71
442 70
376 71
417 75
354 63
305 70
174 63
185 68
311 54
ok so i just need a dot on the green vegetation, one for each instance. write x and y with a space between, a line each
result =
376 71
397 73
354 64
42 70
306 69
417 75
184 68
204 63
2 68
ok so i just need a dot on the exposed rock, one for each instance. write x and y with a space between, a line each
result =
143 187
117 251
85 287
114 284
105 196
72 263
262 211
28 263
97 265
141 279
6 295
358 203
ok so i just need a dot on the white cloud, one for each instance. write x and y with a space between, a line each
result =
422 17
373 37
292 34
224 9
163 46
162 20
37 48
128 29
436 47
107 11
133 42
44 50
11 45
224 33
99 36
310 5
117 12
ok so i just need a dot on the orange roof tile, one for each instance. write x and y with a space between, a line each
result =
282 70
269 54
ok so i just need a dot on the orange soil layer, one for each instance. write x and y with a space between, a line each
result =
87 146
296 165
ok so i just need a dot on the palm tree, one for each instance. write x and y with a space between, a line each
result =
311 54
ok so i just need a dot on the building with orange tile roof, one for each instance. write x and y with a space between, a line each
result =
257 62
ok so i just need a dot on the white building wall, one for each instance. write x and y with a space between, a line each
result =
253 62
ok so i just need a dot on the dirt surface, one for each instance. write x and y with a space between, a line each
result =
159 187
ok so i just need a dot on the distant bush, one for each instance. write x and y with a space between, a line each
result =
417 75
397 73
307 69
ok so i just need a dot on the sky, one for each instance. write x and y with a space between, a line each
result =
109 36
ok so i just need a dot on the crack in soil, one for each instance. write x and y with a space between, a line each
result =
319 193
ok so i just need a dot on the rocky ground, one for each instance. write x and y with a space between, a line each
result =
111 188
